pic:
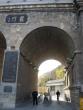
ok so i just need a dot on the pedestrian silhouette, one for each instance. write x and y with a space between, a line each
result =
46 100
58 95
34 96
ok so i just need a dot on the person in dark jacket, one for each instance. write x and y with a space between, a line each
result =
58 95
34 96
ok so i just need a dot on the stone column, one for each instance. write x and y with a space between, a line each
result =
1 61
8 85
80 57
74 73
26 80
76 87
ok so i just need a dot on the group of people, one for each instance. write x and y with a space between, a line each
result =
35 97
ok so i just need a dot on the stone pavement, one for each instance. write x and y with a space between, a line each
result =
42 106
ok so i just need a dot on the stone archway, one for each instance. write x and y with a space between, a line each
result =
42 43
2 48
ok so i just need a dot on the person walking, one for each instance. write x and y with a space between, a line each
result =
58 95
34 96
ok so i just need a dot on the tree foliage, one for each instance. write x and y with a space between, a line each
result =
43 80
59 72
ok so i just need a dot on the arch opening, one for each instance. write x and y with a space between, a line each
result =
39 45
51 79
47 66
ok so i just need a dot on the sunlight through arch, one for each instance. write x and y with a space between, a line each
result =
47 66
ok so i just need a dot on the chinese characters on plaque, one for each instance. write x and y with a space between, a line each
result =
22 18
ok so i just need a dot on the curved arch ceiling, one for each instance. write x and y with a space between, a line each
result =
46 43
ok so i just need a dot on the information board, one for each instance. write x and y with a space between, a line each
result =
8 89
10 66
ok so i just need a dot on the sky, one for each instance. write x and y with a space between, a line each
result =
47 66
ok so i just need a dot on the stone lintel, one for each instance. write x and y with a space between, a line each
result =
37 7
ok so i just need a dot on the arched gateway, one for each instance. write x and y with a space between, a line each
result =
34 32
40 44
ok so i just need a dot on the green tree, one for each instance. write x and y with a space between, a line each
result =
59 72
43 80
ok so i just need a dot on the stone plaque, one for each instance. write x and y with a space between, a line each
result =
7 88
10 66
18 18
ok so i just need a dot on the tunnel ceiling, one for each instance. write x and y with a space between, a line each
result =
2 41
47 43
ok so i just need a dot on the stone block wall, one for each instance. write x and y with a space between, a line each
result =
7 97
26 81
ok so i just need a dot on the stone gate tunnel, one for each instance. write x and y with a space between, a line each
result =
32 32
43 43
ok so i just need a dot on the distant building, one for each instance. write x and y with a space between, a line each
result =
54 85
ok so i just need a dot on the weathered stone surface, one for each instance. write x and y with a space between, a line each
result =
7 100
50 32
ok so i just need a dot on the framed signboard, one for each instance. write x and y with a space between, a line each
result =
10 66
8 89
16 18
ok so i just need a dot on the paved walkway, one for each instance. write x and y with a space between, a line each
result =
43 106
